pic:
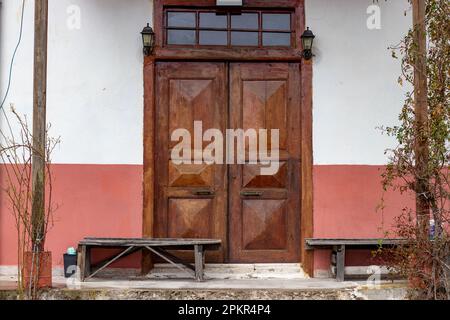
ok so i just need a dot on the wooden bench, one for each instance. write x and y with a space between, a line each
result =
339 247
155 246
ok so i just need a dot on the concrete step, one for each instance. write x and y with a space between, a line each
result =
234 271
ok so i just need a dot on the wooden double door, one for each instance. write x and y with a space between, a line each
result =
256 215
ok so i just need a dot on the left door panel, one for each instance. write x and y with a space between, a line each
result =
190 197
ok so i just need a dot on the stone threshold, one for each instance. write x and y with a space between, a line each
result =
230 282
384 292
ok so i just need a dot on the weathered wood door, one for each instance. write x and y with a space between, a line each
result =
190 198
265 209
256 216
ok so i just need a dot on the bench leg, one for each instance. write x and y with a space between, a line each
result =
84 262
199 262
340 263
80 262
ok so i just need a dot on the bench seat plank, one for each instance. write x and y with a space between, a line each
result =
310 243
142 242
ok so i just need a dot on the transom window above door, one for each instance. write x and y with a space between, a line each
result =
246 28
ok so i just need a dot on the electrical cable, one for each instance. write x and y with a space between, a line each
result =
8 87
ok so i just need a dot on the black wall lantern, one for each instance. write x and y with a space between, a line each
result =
307 42
148 40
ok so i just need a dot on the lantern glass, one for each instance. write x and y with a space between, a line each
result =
147 39
307 43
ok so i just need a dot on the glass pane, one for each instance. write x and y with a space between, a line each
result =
276 39
244 38
245 21
181 19
277 21
215 38
181 37
213 20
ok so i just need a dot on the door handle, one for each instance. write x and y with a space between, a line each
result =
251 193
204 193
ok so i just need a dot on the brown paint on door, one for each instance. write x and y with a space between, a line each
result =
265 209
264 228
188 92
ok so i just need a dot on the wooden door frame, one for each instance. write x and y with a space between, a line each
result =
162 53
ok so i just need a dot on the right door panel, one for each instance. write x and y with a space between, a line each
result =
264 210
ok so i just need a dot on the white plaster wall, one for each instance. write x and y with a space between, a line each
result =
95 89
355 85
95 82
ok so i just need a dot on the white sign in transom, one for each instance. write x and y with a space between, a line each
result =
229 2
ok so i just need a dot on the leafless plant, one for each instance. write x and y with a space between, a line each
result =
16 152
